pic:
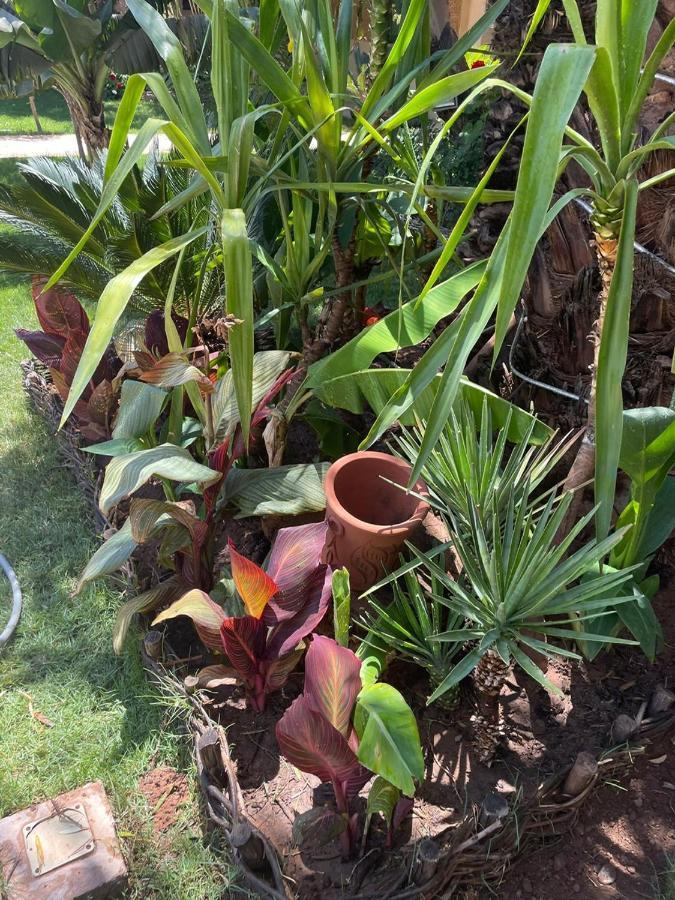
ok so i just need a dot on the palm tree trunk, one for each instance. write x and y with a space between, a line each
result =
583 467
88 118
488 679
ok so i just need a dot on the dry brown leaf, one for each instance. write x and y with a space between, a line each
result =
658 760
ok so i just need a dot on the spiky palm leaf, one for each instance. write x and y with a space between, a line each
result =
52 206
410 625
471 467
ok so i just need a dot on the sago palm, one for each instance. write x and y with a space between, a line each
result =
52 204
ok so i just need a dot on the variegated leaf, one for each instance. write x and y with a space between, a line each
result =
278 670
125 474
144 515
164 592
173 370
294 560
332 681
311 743
253 584
288 633
243 639
206 616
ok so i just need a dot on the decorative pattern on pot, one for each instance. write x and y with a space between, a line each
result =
369 518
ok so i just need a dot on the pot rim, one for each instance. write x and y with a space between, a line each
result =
333 502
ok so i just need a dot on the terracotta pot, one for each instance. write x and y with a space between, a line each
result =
369 519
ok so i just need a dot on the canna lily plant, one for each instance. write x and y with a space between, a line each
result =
343 730
283 605
616 78
147 445
59 344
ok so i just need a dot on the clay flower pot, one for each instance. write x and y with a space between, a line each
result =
369 519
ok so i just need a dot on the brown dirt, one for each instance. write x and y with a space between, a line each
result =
629 823
166 792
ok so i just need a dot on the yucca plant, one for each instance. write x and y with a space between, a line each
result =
307 150
409 627
476 464
519 593
616 78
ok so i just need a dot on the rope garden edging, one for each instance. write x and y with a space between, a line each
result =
478 849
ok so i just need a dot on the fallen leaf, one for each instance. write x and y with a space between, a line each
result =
659 760
669 785
35 713
42 719
628 684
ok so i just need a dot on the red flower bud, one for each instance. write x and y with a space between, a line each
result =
478 64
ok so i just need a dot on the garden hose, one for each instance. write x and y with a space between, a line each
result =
16 601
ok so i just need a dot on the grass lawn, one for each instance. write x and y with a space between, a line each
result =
16 118
108 721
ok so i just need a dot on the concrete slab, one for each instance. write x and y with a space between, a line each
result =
101 873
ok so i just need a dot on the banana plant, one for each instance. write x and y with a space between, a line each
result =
74 49
616 78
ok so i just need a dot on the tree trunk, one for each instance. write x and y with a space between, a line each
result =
488 678
583 467
88 118
34 112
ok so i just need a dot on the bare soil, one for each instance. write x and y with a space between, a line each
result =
166 792
629 824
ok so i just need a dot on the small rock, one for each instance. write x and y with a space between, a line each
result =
559 862
607 874
576 888
637 801
527 885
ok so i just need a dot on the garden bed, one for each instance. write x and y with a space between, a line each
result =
256 796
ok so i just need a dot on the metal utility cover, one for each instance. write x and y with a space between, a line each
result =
69 870
58 839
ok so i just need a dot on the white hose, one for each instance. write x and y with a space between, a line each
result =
16 601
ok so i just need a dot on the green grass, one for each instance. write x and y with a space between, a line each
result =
109 723
664 886
16 118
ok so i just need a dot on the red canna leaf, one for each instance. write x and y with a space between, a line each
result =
254 586
155 331
332 681
289 632
294 560
278 670
70 358
45 347
61 313
311 743
244 643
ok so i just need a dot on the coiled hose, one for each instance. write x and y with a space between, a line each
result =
16 601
